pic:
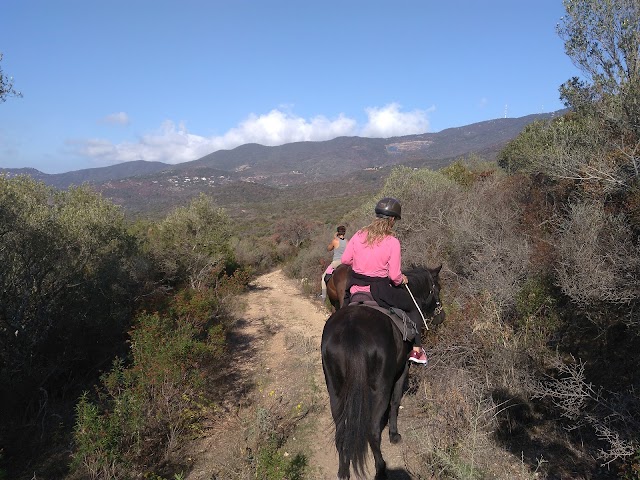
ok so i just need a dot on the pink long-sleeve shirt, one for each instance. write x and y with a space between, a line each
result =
379 260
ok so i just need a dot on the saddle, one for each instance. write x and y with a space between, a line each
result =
399 318
328 273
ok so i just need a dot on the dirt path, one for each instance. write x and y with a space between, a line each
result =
282 328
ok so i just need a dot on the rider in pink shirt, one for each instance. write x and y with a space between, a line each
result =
374 255
379 260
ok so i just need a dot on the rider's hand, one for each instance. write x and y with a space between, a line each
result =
405 280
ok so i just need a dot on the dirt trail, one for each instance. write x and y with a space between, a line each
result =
283 328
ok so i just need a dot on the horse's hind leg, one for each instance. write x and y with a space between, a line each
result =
378 420
381 465
394 406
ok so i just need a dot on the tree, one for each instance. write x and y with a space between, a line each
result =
191 244
599 143
294 231
6 86
66 290
573 147
602 38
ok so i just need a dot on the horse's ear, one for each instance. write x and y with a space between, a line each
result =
436 271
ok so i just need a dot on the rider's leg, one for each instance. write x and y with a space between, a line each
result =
324 287
418 355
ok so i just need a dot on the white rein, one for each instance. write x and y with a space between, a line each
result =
424 320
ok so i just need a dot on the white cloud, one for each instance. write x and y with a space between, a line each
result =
173 144
278 127
389 121
120 118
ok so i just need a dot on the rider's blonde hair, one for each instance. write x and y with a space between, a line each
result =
379 229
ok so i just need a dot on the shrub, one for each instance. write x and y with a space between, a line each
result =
66 296
190 244
257 253
144 409
465 172
599 258
64 266
145 406
273 465
311 262
96 442
480 237
537 312
631 469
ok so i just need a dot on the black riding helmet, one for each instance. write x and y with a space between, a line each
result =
388 207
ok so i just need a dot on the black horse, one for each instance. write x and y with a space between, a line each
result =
365 363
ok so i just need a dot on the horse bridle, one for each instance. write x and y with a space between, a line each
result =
438 310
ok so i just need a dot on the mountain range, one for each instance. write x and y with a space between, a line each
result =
253 174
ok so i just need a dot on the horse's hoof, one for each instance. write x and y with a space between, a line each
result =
395 438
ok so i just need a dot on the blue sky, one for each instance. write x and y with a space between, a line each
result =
172 80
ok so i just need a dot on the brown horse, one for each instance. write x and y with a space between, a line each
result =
337 284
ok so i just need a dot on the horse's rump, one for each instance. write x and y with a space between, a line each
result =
362 357
336 285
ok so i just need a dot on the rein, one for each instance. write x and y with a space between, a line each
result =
424 320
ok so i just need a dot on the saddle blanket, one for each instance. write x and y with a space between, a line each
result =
399 318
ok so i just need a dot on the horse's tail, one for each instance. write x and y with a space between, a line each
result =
353 423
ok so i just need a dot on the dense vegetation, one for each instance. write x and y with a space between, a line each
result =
83 292
110 330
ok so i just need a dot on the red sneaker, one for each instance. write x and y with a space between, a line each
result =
418 357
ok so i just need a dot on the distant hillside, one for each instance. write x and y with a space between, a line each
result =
303 162
251 176
90 175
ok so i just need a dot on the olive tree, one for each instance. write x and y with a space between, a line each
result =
602 38
65 287
191 244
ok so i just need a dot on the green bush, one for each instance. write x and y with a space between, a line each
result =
257 253
311 262
631 468
190 244
97 440
64 268
66 297
466 171
144 409
537 311
273 465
